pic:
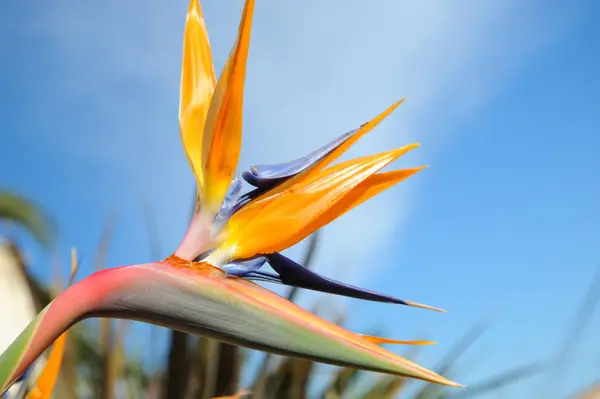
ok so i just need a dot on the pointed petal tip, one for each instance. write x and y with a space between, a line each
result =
438 379
423 306
396 104
383 340
222 135
424 343
400 151
394 154
412 171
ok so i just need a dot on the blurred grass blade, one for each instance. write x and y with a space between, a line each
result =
388 387
503 380
450 359
177 366
309 257
205 367
229 369
341 381
20 210
461 346
108 231
107 336
582 317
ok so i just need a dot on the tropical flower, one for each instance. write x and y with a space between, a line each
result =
205 287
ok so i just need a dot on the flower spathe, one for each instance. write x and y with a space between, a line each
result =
204 287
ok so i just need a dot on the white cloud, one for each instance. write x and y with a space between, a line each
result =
317 69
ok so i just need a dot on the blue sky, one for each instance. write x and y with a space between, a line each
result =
502 95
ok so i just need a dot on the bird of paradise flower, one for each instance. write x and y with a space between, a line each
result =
205 287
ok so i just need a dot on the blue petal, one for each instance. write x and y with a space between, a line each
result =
249 196
263 276
270 175
229 202
293 274
243 268
265 177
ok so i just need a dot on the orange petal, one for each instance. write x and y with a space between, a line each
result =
367 189
47 379
381 340
223 130
332 156
282 221
45 383
364 129
197 87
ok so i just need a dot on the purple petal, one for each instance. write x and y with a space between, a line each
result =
263 276
293 274
230 201
249 196
271 175
243 268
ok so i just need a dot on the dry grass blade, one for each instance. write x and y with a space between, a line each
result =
301 375
114 358
178 366
290 380
152 230
106 237
229 369
107 339
386 387
341 381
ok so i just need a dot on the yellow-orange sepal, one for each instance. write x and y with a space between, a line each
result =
197 87
222 138
284 219
333 155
